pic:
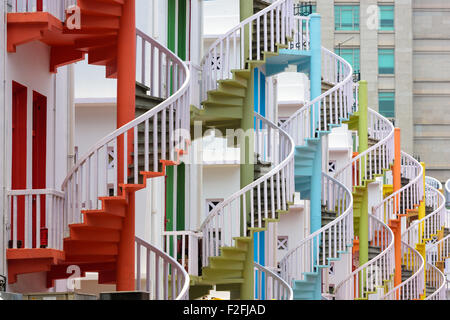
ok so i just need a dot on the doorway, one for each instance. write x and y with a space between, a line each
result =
39 134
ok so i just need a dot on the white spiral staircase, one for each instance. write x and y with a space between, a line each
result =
377 272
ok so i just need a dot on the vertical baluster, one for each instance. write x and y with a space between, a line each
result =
252 214
38 221
148 271
174 278
227 60
258 40
266 213
259 206
155 147
171 130
272 32
242 35
125 157
138 266
265 32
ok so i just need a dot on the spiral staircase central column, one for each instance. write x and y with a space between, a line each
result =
126 82
363 146
396 225
247 153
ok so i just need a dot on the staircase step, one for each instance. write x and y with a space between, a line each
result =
210 273
94 248
225 263
87 233
108 221
234 253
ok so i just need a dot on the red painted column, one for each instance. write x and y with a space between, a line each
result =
396 225
126 79
126 257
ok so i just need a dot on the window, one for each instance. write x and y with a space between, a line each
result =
386 61
211 204
282 243
386 104
386 17
346 17
332 166
350 55
304 9
282 120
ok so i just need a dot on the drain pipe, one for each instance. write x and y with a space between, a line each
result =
70 117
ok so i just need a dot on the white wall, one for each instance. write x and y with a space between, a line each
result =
29 66
23 68
92 123
341 269
292 87
220 16
91 82
292 225
219 182
340 150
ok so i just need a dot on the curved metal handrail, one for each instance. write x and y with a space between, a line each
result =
331 106
141 119
179 279
374 273
431 224
279 24
282 174
306 255
447 193
436 278
409 195
299 124
276 289
435 183
89 178
438 250
413 287
383 130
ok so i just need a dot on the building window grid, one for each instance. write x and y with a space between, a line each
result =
386 17
351 55
386 104
346 17
386 61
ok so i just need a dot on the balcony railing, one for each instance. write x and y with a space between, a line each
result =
26 208
303 9
55 7
183 246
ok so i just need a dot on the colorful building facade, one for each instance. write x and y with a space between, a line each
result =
200 175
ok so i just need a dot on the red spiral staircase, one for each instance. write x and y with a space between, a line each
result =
93 245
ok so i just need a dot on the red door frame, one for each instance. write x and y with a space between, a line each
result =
39 5
19 153
39 157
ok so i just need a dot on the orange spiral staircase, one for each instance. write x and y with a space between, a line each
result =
93 245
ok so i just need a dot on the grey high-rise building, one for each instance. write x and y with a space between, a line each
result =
402 49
